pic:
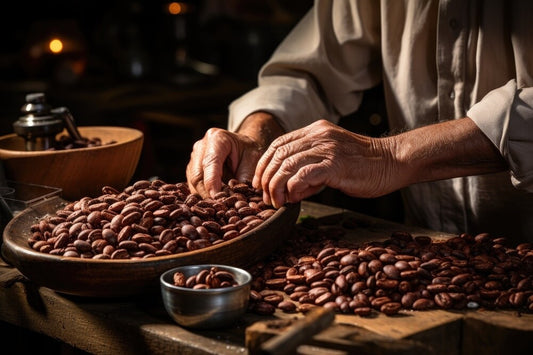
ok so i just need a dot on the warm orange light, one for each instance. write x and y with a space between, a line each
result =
176 8
55 45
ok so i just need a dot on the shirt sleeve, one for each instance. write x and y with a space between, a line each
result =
505 115
321 68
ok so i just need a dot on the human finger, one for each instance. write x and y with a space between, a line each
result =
194 169
307 181
285 161
277 187
216 153
205 168
269 154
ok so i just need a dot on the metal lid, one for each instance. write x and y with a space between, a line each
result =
38 121
36 105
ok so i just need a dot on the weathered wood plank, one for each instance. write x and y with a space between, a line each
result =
140 325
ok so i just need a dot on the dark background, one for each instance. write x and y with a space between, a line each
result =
132 63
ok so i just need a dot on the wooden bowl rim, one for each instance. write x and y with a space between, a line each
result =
126 277
20 245
135 135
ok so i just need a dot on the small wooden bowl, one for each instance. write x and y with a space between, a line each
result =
126 277
78 172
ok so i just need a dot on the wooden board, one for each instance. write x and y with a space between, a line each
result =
140 325
428 332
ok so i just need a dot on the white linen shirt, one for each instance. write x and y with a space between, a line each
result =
437 61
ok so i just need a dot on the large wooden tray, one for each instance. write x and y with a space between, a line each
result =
118 278
435 332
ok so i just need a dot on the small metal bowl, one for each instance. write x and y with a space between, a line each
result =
205 308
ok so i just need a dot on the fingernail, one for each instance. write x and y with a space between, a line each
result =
266 199
277 203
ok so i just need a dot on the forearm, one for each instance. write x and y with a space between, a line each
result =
261 127
444 150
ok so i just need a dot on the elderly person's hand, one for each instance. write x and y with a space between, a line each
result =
300 163
221 155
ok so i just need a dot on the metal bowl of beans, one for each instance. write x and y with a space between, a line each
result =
205 296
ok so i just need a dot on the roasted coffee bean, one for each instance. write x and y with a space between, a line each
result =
166 236
387 284
287 306
312 275
362 311
325 252
82 246
255 296
408 299
71 253
120 254
274 299
387 258
379 301
375 265
436 288
390 308
423 304
366 255
305 307
296 295
264 308
391 271
142 238
461 279
443 300
317 291
324 298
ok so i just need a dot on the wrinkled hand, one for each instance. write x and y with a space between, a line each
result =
300 163
220 150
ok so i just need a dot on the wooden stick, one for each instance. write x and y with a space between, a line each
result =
301 331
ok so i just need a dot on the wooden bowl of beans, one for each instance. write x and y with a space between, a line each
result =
120 242
78 171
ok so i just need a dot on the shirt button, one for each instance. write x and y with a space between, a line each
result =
452 94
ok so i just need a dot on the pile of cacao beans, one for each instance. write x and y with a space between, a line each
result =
317 267
147 219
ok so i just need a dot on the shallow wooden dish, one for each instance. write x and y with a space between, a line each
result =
117 278
78 172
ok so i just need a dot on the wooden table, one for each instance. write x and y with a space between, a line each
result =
140 325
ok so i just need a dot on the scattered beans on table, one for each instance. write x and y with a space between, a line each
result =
317 268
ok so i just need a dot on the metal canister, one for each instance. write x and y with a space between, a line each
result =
40 123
